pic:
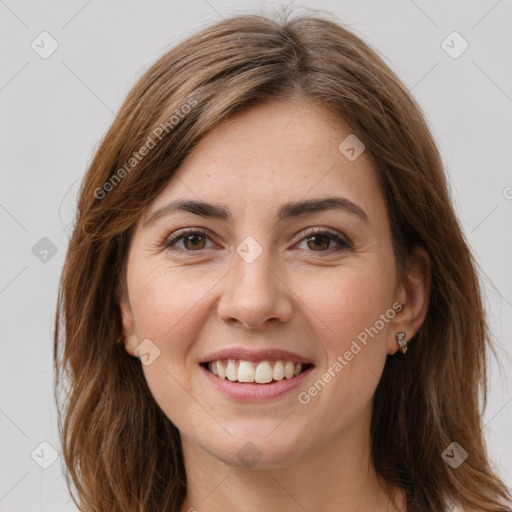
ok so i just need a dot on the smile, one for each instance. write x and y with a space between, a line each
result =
257 372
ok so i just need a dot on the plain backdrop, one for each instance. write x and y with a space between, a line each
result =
54 110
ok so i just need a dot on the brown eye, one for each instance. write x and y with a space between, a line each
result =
192 240
318 242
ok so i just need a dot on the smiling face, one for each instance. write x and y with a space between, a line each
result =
271 271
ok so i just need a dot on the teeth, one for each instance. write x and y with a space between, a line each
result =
232 370
221 371
278 372
289 368
246 372
262 372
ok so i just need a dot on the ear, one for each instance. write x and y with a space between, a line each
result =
413 293
128 324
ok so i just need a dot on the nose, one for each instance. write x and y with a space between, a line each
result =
254 293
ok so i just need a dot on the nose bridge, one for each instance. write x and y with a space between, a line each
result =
254 294
253 264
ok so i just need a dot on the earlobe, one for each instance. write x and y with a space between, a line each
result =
414 295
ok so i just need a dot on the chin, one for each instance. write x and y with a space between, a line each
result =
257 449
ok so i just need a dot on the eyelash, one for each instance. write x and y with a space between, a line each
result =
343 244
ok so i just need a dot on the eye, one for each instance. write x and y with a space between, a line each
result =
319 240
193 239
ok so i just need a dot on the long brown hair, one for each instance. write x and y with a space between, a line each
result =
121 452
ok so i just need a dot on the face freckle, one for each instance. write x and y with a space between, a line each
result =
291 297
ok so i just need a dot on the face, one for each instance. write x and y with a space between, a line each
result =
271 278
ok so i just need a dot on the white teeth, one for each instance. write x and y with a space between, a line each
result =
232 370
278 372
289 368
246 372
262 372
221 371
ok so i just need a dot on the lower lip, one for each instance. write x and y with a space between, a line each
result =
255 392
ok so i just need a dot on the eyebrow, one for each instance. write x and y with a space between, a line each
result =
287 211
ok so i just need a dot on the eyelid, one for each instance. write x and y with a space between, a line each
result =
340 238
181 233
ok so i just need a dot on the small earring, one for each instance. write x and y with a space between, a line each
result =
402 342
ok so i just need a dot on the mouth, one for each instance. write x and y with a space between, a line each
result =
256 372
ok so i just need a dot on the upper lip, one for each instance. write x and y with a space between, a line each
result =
256 355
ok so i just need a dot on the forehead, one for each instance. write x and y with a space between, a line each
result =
272 154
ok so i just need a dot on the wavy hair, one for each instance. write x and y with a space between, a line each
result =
120 451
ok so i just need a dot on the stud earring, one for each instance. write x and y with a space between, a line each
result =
402 342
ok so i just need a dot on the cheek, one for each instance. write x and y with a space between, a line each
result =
165 302
347 301
348 310
169 309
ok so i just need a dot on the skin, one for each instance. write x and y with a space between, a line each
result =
297 296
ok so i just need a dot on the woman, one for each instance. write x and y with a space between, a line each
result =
267 301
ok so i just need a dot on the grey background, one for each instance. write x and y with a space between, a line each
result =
54 112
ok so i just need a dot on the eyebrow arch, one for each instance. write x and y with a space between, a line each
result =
287 211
